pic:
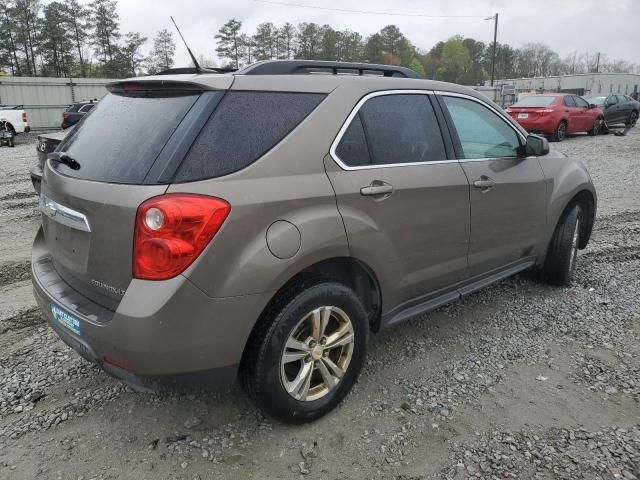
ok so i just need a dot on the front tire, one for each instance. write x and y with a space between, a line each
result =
560 132
595 129
307 353
633 119
560 263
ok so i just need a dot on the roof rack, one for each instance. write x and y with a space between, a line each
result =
293 67
186 70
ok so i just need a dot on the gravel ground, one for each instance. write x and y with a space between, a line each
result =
518 381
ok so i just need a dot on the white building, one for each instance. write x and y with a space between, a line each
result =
582 84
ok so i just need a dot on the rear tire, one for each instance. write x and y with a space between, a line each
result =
560 263
560 132
289 369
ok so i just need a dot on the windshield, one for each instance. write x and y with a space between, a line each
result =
535 101
599 100
119 140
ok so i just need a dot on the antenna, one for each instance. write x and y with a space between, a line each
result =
193 58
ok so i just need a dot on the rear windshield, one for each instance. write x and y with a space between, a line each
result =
122 136
535 102
596 100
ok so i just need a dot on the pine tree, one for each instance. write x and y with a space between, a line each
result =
132 51
229 45
77 19
106 32
164 49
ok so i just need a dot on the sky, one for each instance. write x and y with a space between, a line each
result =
564 25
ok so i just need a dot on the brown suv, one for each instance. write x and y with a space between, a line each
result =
264 223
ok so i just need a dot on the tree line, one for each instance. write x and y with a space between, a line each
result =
458 59
70 39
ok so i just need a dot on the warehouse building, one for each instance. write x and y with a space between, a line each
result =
505 91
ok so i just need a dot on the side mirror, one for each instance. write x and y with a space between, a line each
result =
536 145
592 105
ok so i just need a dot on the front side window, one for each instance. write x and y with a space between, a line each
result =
393 129
611 100
622 99
482 133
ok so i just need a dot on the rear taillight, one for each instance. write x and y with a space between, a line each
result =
508 110
544 111
24 117
65 116
172 230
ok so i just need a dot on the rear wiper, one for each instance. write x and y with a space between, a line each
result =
62 157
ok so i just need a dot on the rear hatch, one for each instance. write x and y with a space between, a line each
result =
127 150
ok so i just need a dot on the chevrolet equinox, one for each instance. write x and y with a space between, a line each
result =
262 224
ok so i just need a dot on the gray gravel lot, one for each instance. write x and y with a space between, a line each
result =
518 381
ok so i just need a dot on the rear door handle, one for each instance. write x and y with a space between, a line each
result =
377 189
485 183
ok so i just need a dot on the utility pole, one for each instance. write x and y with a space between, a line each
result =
598 63
493 55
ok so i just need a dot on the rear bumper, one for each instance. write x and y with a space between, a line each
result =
162 333
545 125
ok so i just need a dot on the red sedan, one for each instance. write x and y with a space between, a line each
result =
557 114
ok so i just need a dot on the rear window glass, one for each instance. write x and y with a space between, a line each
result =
596 100
244 126
402 129
353 150
535 102
122 137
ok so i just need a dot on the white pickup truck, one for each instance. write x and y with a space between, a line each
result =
14 119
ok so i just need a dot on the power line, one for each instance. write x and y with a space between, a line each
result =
366 12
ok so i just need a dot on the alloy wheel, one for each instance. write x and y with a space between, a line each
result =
562 131
317 353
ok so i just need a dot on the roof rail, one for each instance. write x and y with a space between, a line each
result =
186 70
293 67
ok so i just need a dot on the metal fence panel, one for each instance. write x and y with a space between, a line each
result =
45 98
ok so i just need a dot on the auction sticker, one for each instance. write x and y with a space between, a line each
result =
65 319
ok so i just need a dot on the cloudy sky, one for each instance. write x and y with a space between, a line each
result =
564 25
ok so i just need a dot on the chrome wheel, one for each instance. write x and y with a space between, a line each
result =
574 248
317 353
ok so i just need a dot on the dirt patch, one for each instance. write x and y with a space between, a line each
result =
18 195
14 272
25 319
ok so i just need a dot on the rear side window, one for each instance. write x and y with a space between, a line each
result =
402 129
122 137
392 129
568 101
580 102
353 149
244 126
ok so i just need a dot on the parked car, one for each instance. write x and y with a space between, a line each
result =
618 109
14 119
45 144
266 223
556 114
75 112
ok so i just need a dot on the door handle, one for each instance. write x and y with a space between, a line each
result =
485 183
377 189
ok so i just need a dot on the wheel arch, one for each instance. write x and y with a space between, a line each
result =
346 270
